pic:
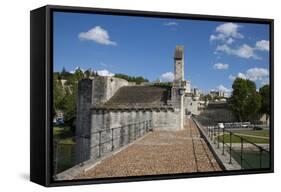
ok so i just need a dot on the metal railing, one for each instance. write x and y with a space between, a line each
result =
247 153
238 149
63 155
66 150
123 135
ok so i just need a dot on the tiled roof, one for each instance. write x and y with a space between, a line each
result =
139 97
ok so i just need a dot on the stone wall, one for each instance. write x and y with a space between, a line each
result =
83 123
92 92
166 119
101 130
125 126
191 105
105 87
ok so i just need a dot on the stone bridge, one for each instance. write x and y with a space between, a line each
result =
158 152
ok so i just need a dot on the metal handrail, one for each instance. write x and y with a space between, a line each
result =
213 132
146 126
119 127
138 131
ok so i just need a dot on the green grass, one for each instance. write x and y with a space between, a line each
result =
236 139
262 133
63 134
64 150
67 141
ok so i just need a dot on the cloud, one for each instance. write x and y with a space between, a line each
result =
223 88
229 30
167 77
171 23
257 74
230 41
217 37
97 34
232 77
244 51
253 74
77 69
226 33
105 65
220 66
105 72
241 75
265 81
262 45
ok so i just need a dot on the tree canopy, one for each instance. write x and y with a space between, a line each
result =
245 100
65 86
137 80
265 99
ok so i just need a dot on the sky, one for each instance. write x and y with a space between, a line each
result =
215 52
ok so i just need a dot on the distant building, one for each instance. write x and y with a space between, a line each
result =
216 94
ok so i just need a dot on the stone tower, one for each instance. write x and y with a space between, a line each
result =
179 66
178 88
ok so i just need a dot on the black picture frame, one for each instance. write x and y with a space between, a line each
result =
41 58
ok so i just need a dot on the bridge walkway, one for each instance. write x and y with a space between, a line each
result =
159 152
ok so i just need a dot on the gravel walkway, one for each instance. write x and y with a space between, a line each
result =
159 152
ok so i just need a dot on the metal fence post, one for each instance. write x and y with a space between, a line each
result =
150 125
99 143
260 157
223 141
112 145
56 157
241 158
218 137
139 129
82 149
230 146
146 126
129 133
214 135
135 131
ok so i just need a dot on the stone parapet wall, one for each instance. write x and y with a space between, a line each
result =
125 126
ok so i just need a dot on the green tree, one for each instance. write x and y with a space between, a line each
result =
163 84
137 80
245 100
88 73
265 100
58 95
207 97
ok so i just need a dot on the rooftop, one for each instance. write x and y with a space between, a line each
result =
139 97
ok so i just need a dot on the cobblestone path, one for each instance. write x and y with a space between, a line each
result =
159 152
